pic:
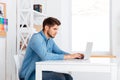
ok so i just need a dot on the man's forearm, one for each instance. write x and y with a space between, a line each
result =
68 56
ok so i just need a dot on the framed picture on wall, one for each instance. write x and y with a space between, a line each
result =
2 10
37 7
3 20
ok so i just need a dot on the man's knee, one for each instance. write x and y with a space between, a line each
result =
68 76
58 77
53 76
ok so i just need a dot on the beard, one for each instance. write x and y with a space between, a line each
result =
50 35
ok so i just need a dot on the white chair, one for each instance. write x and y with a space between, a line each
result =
18 62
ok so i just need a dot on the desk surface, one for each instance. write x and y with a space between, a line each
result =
92 65
99 61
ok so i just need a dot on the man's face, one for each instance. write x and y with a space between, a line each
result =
52 31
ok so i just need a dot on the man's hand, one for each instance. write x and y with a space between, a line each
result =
74 56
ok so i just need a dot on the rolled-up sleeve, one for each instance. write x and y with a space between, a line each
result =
38 46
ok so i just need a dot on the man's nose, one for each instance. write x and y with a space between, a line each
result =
56 32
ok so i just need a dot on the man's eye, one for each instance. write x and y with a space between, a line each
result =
55 29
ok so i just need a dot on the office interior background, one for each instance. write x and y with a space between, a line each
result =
103 29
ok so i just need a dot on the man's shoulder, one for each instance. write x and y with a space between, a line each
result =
37 35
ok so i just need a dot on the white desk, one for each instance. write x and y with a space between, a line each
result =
93 65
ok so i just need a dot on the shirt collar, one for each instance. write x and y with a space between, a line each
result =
43 35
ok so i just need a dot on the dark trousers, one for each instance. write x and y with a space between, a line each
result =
50 75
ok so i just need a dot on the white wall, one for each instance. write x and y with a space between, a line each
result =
66 25
2 58
115 26
2 54
8 44
11 40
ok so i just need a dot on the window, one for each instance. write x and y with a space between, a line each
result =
91 22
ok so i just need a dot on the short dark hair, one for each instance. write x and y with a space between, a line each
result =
50 21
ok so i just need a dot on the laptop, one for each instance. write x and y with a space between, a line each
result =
88 51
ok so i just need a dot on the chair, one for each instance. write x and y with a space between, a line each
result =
18 62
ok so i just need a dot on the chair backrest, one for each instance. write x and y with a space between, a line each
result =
18 62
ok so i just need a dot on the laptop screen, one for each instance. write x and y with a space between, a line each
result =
88 50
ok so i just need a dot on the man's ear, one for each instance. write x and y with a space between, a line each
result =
46 27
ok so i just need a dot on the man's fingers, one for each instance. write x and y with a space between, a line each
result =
81 56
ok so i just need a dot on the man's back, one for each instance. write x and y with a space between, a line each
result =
31 57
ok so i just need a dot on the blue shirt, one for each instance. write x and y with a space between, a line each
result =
39 49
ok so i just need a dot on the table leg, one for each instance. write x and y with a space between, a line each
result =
114 73
38 73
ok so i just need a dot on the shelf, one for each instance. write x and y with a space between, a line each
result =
25 10
31 18
39 14
38 17
24 30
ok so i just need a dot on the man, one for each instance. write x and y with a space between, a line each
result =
41 47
